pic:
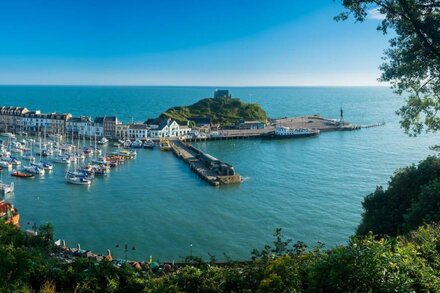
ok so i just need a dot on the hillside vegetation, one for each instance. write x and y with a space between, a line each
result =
225 111
397 250
412 199
408 263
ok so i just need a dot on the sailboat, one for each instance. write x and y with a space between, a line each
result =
6 188
78 178
5 164
28 156
34 170
41 164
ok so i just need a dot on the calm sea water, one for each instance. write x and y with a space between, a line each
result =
312 188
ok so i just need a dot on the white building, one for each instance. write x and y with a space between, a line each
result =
92 130
168 128
137 131
35 121
77 125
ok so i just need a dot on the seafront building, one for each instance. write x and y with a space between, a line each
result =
76 125
35 121
137 131
16 119
108 124
122 131
11 118
166 128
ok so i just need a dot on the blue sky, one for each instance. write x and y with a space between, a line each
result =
186 42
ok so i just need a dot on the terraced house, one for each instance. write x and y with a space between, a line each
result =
35 121
11 118
108 124
77 126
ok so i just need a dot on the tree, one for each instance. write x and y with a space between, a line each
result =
411 200
427 208
412 62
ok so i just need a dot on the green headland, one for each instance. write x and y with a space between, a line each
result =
223 110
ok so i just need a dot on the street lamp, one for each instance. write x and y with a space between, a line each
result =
125 250
191 250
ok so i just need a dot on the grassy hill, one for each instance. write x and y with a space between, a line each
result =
226 111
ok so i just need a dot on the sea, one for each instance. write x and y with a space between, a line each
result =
312 188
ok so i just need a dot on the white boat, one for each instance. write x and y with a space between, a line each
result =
61 160
100 161
13 161
16 144
77 180
16 150
5 164
56 137
6 188
287 132
148 144
43 165
80 155
28 157
103 141
34 170
137 144
128 154
7 134
78 173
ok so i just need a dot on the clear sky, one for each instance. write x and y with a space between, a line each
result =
186 42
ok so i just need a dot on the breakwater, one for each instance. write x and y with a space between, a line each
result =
207 167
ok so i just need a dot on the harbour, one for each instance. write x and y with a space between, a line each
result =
167 206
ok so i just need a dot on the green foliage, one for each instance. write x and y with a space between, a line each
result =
380 265
366 264
412 199
412 62
225 111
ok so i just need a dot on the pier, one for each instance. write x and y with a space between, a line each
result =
207 167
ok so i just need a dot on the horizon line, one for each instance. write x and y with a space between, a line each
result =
201 86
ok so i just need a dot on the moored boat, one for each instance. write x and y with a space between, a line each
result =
5 164
148 144
34 170
103 141
77 180
6 188
7 135
19 174
61 160
14 161
136 144
287 132
28 157
164 144
43 165
78 173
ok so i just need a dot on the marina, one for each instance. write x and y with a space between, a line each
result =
287 182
